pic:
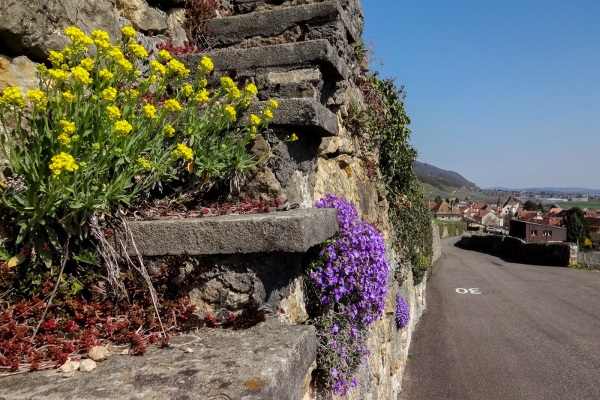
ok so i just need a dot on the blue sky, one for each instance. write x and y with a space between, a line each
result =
506 93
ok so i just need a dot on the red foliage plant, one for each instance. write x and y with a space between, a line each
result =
73 325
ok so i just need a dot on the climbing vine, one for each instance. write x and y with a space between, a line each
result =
408 211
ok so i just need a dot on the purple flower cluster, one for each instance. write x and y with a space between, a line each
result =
355 271
402 312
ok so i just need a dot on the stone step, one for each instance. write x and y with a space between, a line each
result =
224 32
269 361
307 116
292 231
252 62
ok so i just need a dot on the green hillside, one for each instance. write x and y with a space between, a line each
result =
454 192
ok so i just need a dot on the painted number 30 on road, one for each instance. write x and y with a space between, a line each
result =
470 291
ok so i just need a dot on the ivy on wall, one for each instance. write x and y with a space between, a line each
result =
385 121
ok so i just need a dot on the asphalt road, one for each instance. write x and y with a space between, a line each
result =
532 333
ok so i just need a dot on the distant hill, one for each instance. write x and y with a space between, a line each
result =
440 178
554 190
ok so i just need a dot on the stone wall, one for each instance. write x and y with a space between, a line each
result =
303 54
553 254
437 246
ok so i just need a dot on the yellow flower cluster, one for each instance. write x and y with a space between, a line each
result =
68 96
179 68
268 114
254 120
122 128
169 130
230 112
80 41
251 89
132 93
87 64
37 98
101 39
62 162
164 56
293 138
138 50
12 96
158 67
227 82
58 75
273 104
206 65
106 74
109 94
81 75
187 89
182 151
128 32
144 164
68 128
56 58
113 112
172 105
202 97
149 111
116 54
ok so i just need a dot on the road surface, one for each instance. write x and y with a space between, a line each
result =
500 330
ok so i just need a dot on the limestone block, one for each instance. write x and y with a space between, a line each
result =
268 361
35 27
301 114
301 83
19 71
232 30
286 231
176 31
143 17
290 56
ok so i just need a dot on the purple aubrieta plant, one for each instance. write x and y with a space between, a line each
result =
351 282
402 312
355 271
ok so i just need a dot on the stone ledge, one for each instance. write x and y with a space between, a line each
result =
280 231
303 114
268 361
290 55
232 30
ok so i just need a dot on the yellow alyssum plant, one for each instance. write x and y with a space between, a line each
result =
97 133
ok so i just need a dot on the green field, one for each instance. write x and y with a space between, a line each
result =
580 204
454 192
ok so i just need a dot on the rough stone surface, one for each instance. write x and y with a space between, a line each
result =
226 284
176 31
246 62
306 115
287 231
269 361
554 254
35 27
232 30
142 16
18 71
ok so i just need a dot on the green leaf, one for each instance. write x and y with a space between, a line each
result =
16 260
46 257
4 254
87 257
52 236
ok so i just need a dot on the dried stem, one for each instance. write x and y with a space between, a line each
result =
109 256
63 261
141 269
